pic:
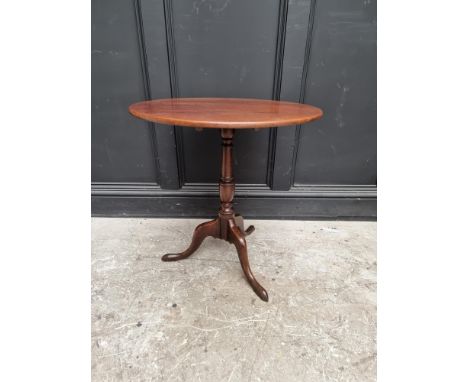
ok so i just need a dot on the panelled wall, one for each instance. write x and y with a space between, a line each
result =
320 52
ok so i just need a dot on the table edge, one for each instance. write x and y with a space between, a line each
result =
171 121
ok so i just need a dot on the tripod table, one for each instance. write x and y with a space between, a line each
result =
227 115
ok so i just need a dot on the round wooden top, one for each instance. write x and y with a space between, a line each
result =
224 113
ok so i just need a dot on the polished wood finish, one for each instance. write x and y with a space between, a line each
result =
227 114
227 226
224 113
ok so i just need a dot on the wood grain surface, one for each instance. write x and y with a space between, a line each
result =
224 113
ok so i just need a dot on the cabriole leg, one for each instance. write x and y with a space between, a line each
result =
202 231
237 238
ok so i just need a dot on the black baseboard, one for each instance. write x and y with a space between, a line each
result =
252 201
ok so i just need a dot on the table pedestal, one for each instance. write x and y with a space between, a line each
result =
227 226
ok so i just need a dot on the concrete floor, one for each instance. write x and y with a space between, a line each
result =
199 320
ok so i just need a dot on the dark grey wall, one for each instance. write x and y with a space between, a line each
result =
320 52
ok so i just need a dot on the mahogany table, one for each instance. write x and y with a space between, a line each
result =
226 114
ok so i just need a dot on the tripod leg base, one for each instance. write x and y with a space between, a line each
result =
210 228
237 237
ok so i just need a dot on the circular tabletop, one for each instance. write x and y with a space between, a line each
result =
224 113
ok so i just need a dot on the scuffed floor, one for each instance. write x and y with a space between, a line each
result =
199 320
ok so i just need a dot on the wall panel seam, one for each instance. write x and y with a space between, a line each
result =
305 72
174 84
146 78
277 80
